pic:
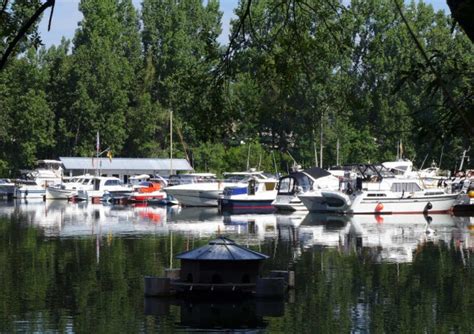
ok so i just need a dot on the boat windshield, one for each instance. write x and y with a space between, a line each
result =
294 183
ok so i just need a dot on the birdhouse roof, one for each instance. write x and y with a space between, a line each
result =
222 249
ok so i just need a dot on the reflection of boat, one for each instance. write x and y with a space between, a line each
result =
397 236
322 230
259 225
297 183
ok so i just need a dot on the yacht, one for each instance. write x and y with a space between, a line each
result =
254 196
68 190
105 188
300 182
205 191
33 184
7 188
377 191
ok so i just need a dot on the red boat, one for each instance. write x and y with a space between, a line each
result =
147 190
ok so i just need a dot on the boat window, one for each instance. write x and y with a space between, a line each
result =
431 193
112 183
269 186
405 186
286 185
376 195
252 187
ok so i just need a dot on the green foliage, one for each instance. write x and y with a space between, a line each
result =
295 70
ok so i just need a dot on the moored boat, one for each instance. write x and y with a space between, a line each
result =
206 192
299 182
256 196
378 191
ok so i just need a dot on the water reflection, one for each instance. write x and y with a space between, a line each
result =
212 315
80 267
393 238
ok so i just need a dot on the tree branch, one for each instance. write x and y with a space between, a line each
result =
24 29
439 80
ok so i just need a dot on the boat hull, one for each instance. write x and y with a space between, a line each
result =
425 204
289 203
247 206
326 201
190 197
57 193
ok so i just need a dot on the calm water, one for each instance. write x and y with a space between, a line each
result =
80 267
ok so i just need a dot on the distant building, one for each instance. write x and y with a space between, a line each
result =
123 167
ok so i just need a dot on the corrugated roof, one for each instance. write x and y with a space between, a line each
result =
222 249
148 164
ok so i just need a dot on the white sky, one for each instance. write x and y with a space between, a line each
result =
66 16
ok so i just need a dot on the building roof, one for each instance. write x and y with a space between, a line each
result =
222 249
126 164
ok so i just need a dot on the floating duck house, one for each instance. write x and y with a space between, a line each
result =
220 266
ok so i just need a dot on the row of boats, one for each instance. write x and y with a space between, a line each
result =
391 187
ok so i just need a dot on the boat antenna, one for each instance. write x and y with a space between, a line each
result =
424 160
274 162
464 157
294 160
248 158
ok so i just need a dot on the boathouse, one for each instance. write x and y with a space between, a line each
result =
123 168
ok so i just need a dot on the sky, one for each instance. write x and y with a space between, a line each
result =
66 17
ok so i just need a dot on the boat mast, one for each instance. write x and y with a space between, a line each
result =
315 151
321 142
171 141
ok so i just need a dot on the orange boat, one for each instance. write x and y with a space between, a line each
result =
147 190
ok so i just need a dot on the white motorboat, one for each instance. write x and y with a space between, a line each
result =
377 191
68 190
106 188
255 196
297 183
35 182
7 188
205 192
